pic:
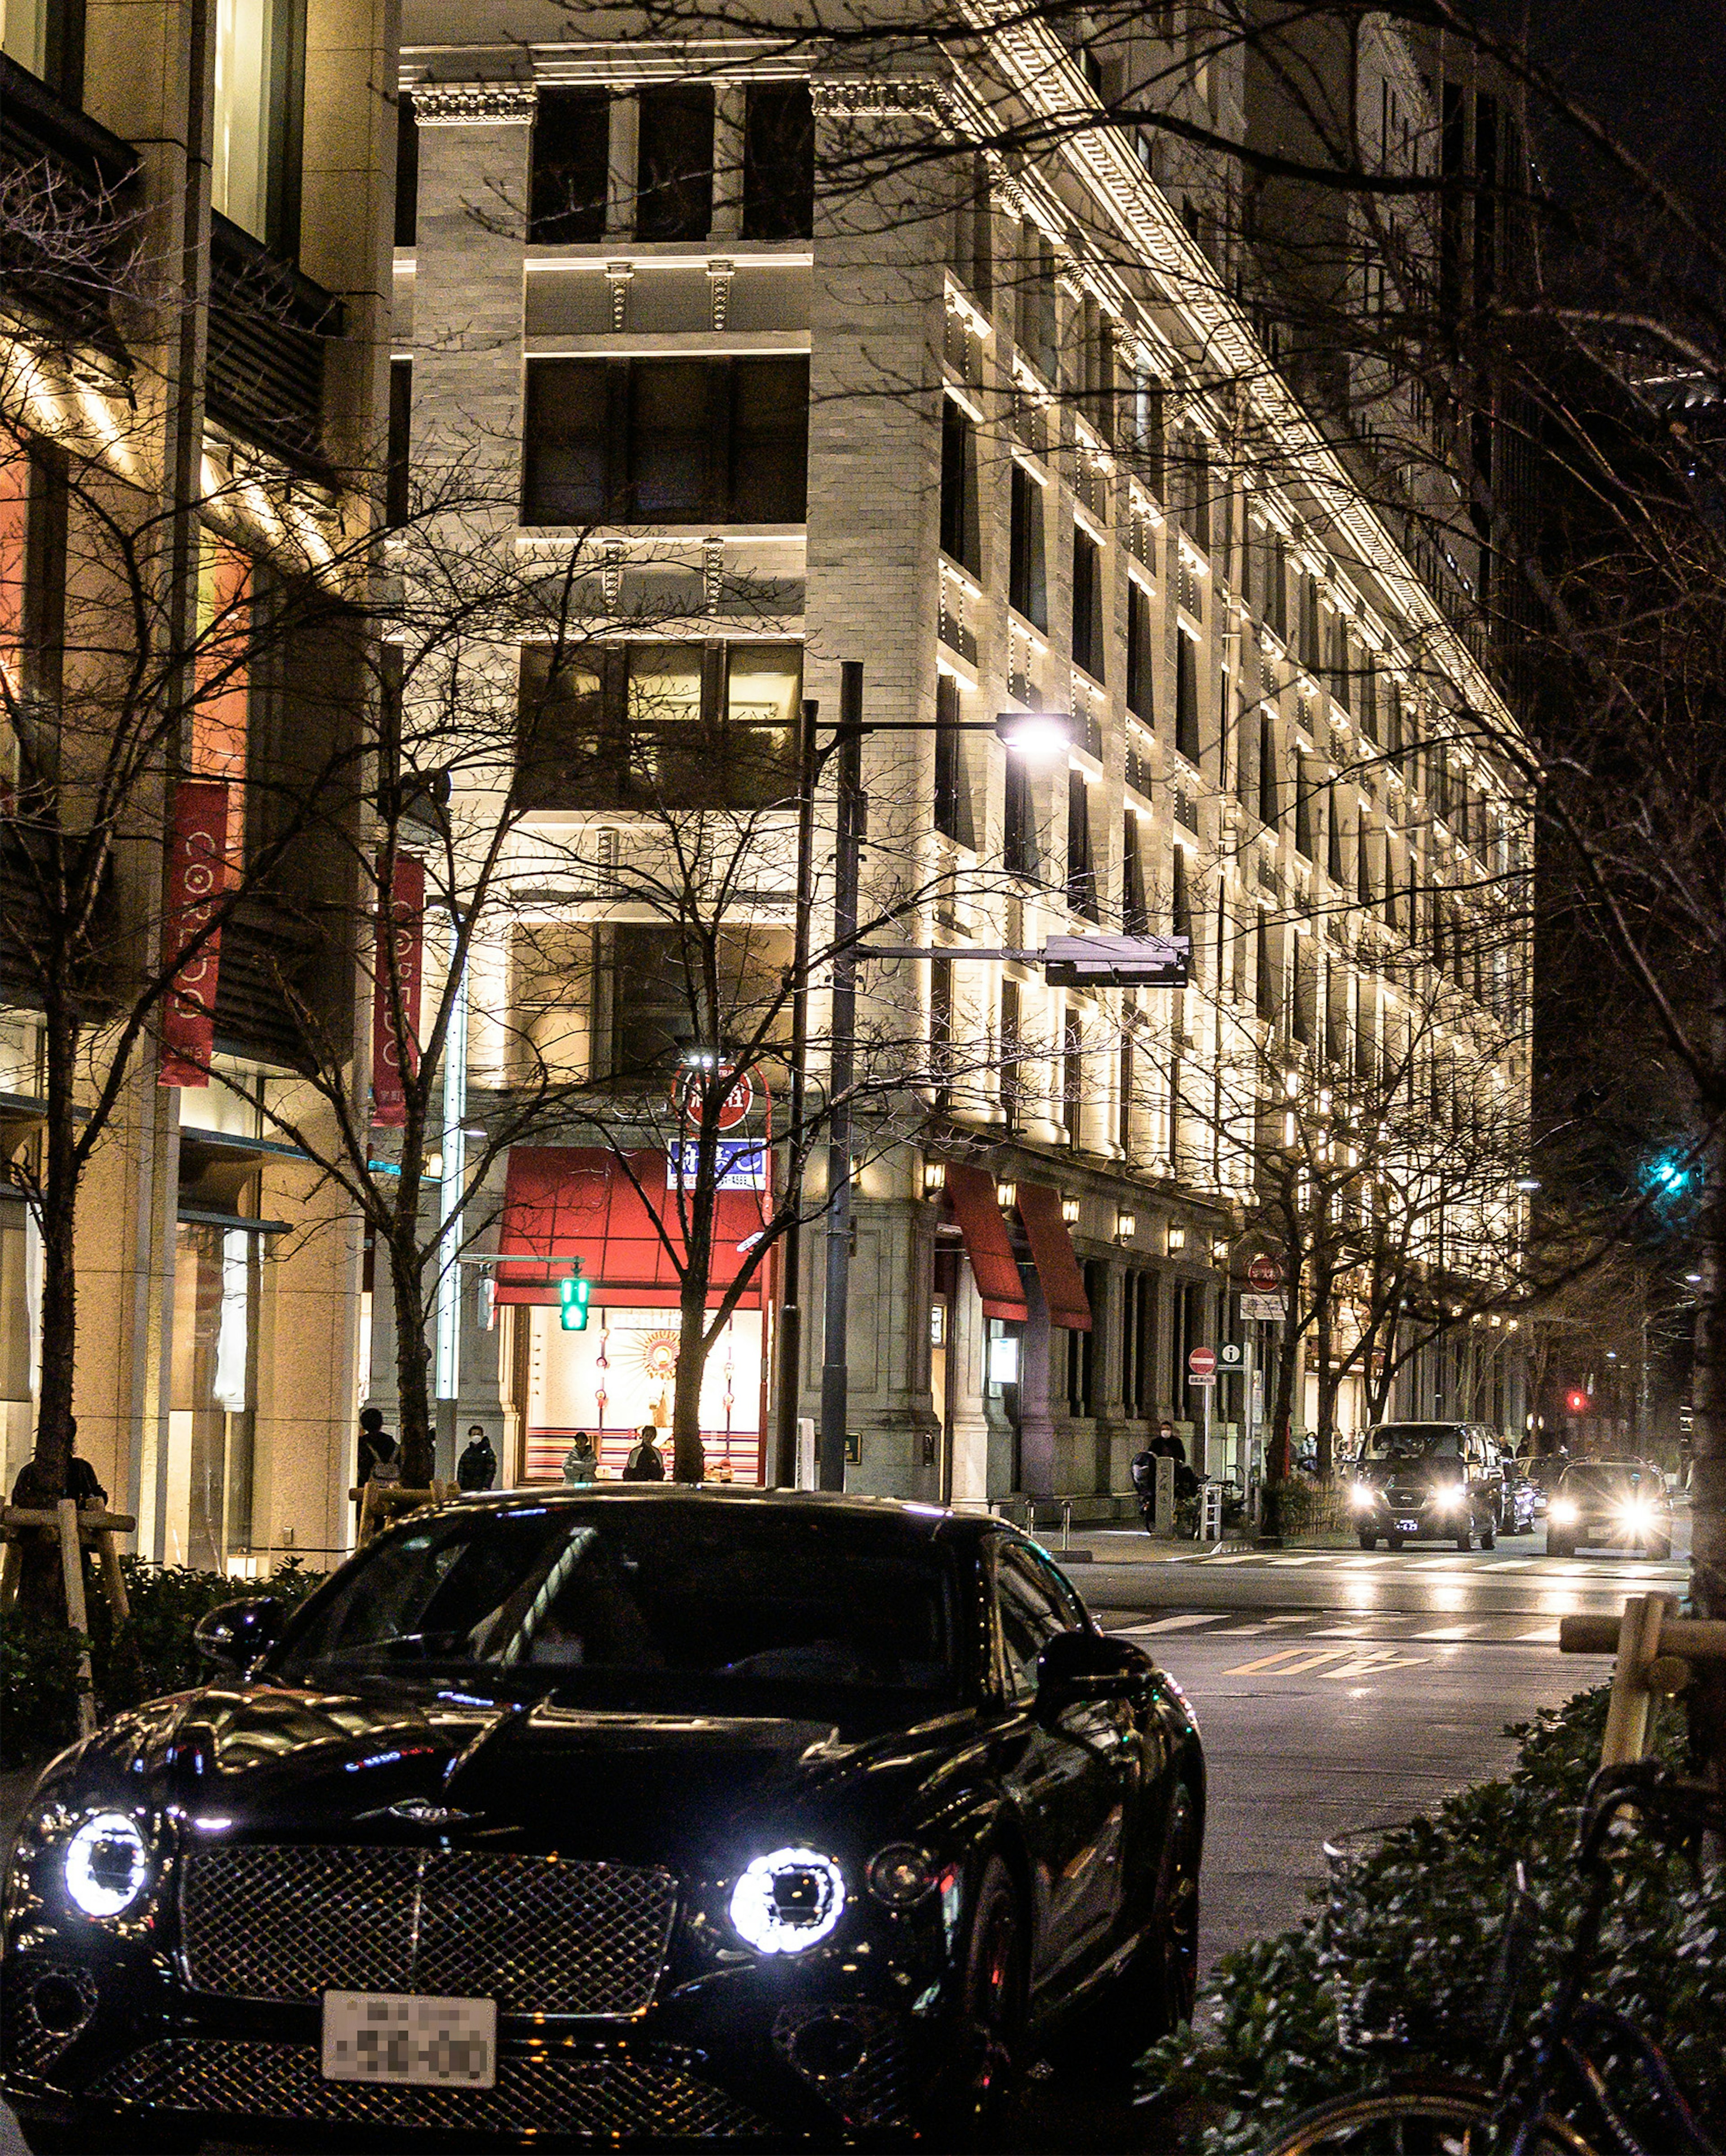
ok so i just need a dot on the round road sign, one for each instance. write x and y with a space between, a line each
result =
1202 1361
735 1105
1264 1274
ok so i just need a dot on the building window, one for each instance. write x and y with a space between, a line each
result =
778 162
972 252
1277 586
1081 869
397 490
254 147
1269 809
1135 912
961 540
46 37
1333 836
1072 1075
1088 605
572 159
407 172
1141 654
1027 584
1012 1054
674 161
1039 333
953 791
1265 970
33 593
1180 905
654 991
657 725
1019 820
941 1031
1186 696
666 441
1195 497
1082 1349
1303 813
1138 1342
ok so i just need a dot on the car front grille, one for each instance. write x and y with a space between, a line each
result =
1405 1501
658 2097
857 2057
539 1934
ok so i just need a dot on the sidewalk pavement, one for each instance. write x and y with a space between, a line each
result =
1132 1545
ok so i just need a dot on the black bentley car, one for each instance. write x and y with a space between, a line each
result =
641 1813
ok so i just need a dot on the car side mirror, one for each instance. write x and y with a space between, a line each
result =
1087 1665
234 1635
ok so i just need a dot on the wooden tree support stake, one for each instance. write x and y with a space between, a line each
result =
1655 1647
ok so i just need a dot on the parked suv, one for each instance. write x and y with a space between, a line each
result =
1609 1504
1428 1480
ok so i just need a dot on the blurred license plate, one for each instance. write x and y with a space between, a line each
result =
1407 1527
395 2036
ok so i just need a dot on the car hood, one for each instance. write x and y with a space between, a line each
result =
267 1761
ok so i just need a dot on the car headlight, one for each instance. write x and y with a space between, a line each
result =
1447 1498
1363 1496
787 1901
107 1865
1637 1513
1562 1510
901 1874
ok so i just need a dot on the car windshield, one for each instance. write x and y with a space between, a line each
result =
1413 1441
656 1595
1602 1479
1546 1468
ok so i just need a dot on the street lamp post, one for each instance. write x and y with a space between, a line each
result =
841 1065
1028 733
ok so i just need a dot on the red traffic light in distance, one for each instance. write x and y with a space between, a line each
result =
1576 1400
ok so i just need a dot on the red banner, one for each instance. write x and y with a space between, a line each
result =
393 1056
196 877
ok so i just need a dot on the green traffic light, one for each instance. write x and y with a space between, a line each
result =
573 1296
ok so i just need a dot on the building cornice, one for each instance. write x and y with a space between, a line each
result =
475 104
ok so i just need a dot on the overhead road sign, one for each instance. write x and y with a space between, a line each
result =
1117 962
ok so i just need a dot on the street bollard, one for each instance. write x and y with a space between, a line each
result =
1165 1498
1211 1513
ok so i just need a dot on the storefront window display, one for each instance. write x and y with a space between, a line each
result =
211 1426
621 1373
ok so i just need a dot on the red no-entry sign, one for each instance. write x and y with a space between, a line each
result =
1202 1361
1264 1274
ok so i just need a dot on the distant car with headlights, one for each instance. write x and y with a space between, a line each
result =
1427 1481
1609 1504
1543 1473
642 1813
1523 1502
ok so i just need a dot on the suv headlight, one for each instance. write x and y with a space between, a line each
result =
787 1901
1447 1498
1562 1511
107 1865
1362 1495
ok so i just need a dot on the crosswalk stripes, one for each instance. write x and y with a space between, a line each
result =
1391 1629
1481 1564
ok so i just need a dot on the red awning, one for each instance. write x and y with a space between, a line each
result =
971 1192
1053 1247
564 1202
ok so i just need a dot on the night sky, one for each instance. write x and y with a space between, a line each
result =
1655 69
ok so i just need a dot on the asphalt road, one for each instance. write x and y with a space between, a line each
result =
1342 1689
1335 1690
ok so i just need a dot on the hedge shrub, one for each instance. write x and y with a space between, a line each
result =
38 1662
1424 1925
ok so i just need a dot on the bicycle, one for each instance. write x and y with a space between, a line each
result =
1436 2114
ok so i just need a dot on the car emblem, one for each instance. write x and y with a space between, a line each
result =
417 1811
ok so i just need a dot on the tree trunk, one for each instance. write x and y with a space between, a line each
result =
689 1461
1707 1697
413 1357
1326 1389
57 1327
